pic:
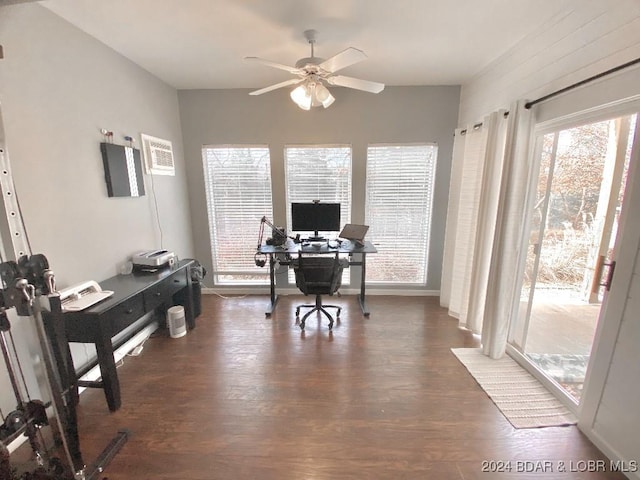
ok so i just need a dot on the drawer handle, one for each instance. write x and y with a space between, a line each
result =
176 280
129 311
157 294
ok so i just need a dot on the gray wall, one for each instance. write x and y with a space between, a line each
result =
58 88
397 115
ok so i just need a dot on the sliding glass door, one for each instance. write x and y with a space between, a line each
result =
574 206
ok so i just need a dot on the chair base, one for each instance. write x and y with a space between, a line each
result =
318 307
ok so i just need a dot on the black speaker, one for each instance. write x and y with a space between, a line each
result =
197 298
198 273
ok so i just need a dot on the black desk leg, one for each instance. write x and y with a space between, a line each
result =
362 298
272 287
107 364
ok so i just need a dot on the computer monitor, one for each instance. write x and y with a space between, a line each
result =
315 217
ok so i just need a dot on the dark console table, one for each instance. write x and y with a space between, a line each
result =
134 295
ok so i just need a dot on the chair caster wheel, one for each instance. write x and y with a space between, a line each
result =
297 312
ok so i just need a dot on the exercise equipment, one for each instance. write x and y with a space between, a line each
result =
28 294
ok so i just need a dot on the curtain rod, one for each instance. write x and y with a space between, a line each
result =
530 104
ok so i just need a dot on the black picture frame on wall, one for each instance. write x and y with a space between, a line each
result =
122 170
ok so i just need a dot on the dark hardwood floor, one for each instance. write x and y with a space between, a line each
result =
248 397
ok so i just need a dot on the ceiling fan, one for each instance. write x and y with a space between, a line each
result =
312 73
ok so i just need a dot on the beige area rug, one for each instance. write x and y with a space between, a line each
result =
522 399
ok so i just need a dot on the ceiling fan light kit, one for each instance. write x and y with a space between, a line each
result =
314 72
312 94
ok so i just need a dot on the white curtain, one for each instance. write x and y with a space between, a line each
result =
469 145
507 240
486 201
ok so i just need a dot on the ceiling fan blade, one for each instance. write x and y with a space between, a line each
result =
358 84
268 63
343 59
286 83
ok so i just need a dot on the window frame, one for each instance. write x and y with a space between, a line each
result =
345 206
386 244
245 235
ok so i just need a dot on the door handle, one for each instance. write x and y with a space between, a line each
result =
612 268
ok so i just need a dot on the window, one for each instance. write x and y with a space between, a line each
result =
321 172
238 190
398 210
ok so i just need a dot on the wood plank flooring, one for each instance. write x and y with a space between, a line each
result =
248 397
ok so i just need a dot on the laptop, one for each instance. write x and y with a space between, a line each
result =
354 232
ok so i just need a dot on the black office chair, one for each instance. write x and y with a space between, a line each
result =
318 275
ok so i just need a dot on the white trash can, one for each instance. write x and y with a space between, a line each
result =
176 321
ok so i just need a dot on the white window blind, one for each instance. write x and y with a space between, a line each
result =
319 172
398 211
238 190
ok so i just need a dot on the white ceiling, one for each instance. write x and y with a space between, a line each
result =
201 43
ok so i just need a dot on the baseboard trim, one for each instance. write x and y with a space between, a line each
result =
610 452
120 353
94 373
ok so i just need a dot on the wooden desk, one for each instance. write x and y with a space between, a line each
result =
134 295
284 253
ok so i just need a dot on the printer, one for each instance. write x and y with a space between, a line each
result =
153 260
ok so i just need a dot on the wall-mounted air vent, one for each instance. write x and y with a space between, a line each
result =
158 155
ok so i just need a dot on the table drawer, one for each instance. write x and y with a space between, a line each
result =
124 314
164 290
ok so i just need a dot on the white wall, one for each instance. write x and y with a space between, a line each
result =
617 422
589 38
58 88
609 412
396 115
